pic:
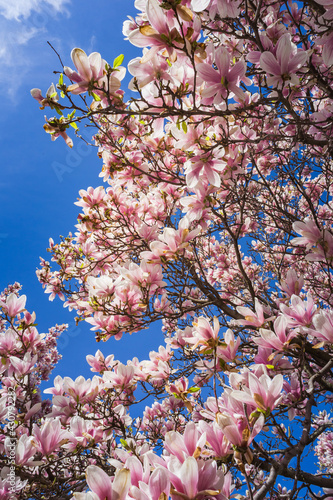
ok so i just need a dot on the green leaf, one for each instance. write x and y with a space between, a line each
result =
61 79
118 60
75 127
184 127
95 96
124 443
169 63
194 389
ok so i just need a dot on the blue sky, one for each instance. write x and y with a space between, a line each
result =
41 179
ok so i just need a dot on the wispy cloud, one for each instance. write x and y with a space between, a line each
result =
24 23
16 9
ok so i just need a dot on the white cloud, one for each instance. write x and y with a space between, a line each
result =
17 9
23 27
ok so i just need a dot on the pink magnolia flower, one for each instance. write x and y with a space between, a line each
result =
262 392
56 128
140 470
204 334
293 283
25 450
81 389
145 275
323 251
236 429
310 232
10 487
159 34
171 242
186 445
50 436
23 366
156 487
323 323
300 312
51 98
91 71
178 387
83 432
228 351
122 377
225 80
205 167
98 363
9 342
13 305
155 68
277 339
102 486
58 389
252 318
92 197
283 67
216 440
194 479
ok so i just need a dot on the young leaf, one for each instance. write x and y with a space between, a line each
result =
118 60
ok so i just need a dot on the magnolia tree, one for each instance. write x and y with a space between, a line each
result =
216 220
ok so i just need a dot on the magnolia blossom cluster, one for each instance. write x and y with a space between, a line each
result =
215 219
91 414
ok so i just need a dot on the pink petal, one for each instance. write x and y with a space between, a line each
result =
95 62
283 53
99 482
156 17
208 74
199 5
276 386
189 475
237 71
121 484
269 64
72 75
243 397
135 466
222 60
297 61
159 483
81 61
